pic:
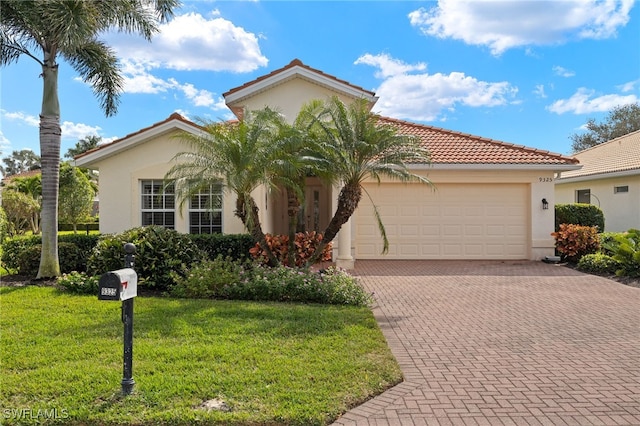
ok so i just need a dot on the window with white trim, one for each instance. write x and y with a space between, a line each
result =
620 189
205 211
158 203
583 196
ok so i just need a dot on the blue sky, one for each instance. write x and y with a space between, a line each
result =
525 72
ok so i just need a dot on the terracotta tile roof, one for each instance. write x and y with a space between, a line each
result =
295 62
450 147
618 155
173 116
28 173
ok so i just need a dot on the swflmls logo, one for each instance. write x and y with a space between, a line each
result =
28 413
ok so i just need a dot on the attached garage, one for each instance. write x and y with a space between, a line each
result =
454 221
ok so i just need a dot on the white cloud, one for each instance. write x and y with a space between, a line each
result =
425 96
563 72
629 86
584 102
138 79
29 120
539 91
4 142
503 25
78 130
193 42
388 66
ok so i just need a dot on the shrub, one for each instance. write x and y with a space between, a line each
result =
29 259
598 263
574 241
13 248
84 243
160 252
234 246
79 283
626 249
608 242
306 243
207 278
284 284
579 214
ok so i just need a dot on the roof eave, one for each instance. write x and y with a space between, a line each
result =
555 167
305 73
91 159
596 176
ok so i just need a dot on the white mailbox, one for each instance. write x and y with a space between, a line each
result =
118 285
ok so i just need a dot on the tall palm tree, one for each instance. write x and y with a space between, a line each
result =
357 147
70 29
238 154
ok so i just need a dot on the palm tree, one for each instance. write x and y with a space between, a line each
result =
238 154
357 147
295 160
70 29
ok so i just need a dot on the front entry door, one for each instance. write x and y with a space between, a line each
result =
314 216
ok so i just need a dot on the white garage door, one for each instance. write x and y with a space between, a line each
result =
456 221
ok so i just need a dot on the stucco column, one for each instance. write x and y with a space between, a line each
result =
344 259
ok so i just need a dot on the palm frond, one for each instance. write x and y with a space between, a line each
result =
98 66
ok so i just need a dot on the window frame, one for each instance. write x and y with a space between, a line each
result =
204 207
582 192
621 189
164 207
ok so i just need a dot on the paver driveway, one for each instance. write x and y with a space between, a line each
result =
504 343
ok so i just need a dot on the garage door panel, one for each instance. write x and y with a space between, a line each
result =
469 221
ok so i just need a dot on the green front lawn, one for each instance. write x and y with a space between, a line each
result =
61 356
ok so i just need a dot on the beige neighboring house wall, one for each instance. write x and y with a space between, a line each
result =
487 202
610 174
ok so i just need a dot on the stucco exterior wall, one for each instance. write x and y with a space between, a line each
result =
621 210
290 96
119 186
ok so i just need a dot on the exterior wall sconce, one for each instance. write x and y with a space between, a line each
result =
545 204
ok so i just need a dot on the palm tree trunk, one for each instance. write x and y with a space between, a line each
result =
348 201
293 208
251 221
50 136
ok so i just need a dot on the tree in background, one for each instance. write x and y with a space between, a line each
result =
83 145
22 200
45 29
21 212
76 196
620 121
19 162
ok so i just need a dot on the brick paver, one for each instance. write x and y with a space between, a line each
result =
504 343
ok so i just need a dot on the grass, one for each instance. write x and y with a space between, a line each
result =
61 356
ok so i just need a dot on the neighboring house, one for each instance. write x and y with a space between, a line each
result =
7 180
487 204
610 179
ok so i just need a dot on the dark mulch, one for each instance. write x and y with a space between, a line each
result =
21 280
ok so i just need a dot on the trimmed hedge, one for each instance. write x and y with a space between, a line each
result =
14 259
234 246
579 214
159 252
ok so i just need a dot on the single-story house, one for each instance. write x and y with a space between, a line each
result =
610 179
492 200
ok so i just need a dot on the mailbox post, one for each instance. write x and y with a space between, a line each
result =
123 285
127 319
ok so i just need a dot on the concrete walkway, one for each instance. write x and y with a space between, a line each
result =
504 343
